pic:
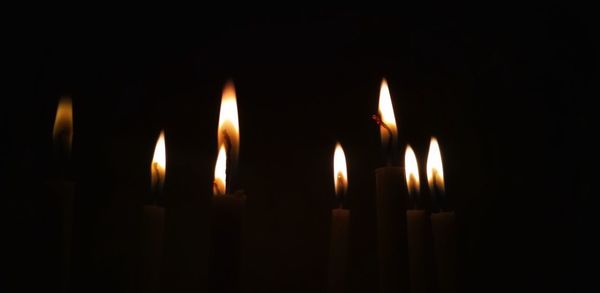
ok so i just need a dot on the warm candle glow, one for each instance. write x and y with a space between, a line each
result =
63 125
435 171
340 175
411 168
220 173
386 114
228 132
159 162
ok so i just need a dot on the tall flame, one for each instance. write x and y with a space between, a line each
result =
219 184
63 124
435 170
228 132
340 174
411 168
386 114
159 162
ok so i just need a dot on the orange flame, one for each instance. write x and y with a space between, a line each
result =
228 132
219 184
340 174
411 168
159 162
63 124
388 130
435 170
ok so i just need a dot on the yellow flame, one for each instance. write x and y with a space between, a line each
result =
435 170
228 132
340 174
411 167
63 125
159 162
219 187
386 113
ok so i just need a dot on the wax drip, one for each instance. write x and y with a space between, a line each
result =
389 148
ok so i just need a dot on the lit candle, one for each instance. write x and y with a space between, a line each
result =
391 201
61 187
442 222
418 228
153 222
227 206
338 246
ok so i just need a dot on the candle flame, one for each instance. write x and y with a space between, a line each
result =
63 124
435 170
159 162
220 173
411 168
228 132
340 174
386 114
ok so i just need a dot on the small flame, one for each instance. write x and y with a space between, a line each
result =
386 114
159 162
228 132
220 172
340 174
435 171
63 125
411 168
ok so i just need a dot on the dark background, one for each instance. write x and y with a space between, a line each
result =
507 91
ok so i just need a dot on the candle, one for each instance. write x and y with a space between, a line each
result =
418 229
391 204
62 188
442 222
153 223
338 245
227 206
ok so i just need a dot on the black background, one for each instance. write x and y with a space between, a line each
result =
506 90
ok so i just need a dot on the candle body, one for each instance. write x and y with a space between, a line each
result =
62 198
338 250
153 225
420 251
226 242
444 236
391 198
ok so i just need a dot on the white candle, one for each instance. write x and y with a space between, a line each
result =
442 222
391 198
61 188
153 223
227 205
418 230
340 217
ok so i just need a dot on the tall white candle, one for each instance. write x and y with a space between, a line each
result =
391 199
442 222
227 205
153 223
340 217
418 230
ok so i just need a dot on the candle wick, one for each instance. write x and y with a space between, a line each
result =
389 147
157 184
